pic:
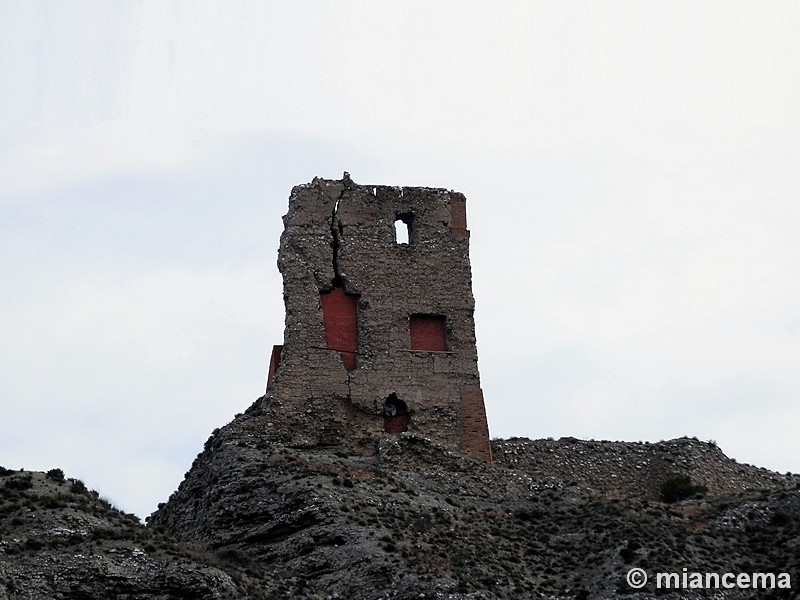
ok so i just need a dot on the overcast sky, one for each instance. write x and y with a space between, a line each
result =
631 170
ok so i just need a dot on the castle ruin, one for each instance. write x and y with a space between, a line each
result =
380 335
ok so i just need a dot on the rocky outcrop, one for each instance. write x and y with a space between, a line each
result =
60 540
413 519
416 520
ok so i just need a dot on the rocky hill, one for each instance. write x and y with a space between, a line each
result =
556 519
61 540
549 519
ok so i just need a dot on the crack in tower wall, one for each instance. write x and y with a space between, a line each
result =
335 234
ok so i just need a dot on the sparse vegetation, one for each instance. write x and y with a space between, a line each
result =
422 522
78 487
19 483
56 475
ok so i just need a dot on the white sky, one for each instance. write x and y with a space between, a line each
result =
632 183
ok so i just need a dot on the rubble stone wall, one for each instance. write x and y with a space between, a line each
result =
626 469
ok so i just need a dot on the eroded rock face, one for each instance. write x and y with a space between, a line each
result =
413 520
416 520
379 334
59 540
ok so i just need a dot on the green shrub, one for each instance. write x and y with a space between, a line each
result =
20 483
50 501
680 487
77 487
234 556
56 475
780 519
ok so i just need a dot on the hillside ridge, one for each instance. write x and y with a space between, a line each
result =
257 519
416 520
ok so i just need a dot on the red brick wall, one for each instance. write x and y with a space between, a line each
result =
340 319
274 361
458 216
396 424
476 428
427 333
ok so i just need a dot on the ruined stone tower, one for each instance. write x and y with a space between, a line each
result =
380 336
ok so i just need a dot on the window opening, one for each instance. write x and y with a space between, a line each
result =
403 231
395 415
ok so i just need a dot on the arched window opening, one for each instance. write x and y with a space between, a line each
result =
395 415
403 231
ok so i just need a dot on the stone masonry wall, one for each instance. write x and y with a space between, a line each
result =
625 469
339 243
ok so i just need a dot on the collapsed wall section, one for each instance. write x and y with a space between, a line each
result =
379 334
